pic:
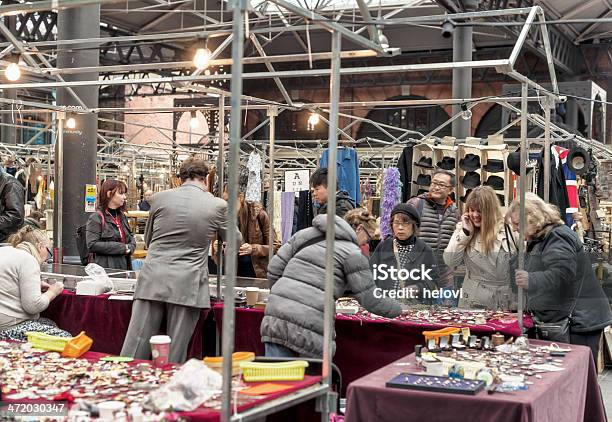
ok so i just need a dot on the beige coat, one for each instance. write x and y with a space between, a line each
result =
182 222
487 282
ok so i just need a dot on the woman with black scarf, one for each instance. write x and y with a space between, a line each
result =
405 265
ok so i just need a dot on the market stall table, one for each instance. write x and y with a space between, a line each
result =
378 341
71 385
570 395
106 321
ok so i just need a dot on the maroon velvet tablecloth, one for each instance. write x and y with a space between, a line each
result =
362 346
571 395
106 321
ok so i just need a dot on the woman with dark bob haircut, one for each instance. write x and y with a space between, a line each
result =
109 239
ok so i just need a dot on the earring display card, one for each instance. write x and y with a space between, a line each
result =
436 384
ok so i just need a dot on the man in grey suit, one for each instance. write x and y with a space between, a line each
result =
174 278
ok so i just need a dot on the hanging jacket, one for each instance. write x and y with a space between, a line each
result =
294 314
404 165
107 243
557 187
12 196
436 230
344 203
559 272
347 171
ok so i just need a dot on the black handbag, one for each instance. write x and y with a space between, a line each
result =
556 331
513 261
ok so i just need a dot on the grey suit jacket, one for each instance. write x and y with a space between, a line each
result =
181 224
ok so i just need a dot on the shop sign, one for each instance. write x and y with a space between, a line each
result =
296 180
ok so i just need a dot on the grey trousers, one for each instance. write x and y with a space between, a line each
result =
145 322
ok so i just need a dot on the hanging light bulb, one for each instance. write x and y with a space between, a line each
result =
194 122
465 113
202 57
71 123
12 72
313 120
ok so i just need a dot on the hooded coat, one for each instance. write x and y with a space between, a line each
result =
344 203
294 314
12 196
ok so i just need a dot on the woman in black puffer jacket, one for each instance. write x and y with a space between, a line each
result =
558 276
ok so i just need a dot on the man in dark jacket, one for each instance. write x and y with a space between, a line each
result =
11 205
318 183
439 216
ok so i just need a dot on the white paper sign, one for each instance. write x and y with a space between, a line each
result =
296 180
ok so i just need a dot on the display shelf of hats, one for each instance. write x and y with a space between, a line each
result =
495 172
422 167
469 170
445 158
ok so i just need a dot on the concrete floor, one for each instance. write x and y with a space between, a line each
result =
605 381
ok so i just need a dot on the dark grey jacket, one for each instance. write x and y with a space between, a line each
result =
105 243
557 265
294 315
344 203
12 210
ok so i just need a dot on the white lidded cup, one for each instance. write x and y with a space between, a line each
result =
160 349
108 409
252 294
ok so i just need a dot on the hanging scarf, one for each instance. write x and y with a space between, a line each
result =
392 194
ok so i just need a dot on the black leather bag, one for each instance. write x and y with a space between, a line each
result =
553 331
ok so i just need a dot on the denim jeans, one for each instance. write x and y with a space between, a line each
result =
274 350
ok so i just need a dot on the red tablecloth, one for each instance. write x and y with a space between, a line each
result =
304 412
362 346
106 321
571 395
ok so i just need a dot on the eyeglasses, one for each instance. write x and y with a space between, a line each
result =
401 223
435 184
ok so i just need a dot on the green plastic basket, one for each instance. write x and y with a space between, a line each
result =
46 341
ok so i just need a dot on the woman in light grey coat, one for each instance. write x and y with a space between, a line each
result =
293 323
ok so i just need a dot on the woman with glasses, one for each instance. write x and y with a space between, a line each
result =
22 293
365 227
484 244
403 265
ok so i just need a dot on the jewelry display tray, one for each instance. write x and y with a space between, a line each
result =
435 384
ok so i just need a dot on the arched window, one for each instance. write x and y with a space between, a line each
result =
423 119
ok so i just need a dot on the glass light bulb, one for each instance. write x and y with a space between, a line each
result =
71 123
12 72
313 119
194 123
201 58
466 114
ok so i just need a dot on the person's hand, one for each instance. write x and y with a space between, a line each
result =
56 288
522 278
467 223
44 286
245 249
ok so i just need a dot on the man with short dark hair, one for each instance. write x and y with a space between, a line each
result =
12 197
439 217
318 183
174 278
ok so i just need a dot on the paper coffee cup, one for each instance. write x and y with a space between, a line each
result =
160 349
252 294
108 409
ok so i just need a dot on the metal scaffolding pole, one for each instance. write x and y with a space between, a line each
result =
59 189
547 106
330 233
272 114
221 178
522 191
239 9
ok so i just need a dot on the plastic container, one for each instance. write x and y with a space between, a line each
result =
440 333
216 363
77 346
46 341
274 371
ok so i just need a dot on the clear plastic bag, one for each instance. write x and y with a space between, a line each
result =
98 275
187 390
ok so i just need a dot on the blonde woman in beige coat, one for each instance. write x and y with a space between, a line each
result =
484 244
